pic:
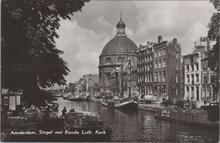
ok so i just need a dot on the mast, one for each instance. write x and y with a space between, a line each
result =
129 68
122 92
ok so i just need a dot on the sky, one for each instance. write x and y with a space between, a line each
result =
84 36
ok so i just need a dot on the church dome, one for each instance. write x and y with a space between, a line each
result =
119 44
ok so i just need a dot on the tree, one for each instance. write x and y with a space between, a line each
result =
30 59
213 34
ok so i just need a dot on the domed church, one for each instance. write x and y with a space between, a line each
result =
115 56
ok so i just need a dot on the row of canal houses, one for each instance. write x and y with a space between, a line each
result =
163 72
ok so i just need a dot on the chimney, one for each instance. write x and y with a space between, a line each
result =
159 39
174 41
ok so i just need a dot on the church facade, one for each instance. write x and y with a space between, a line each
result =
113 59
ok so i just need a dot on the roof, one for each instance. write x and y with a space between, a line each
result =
121 24
119 44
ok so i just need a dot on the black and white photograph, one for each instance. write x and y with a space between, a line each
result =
110 71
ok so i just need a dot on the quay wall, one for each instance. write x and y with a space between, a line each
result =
200 117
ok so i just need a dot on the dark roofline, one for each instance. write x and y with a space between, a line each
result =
158 44
188 55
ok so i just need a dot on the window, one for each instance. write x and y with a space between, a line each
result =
205 79
192 76
197 77
164 62
164 76
187 89
160 63
120 59
192 67
187 68
204 92
108 60
212 79
155 77
192 93
155 64
197 66
197 93
164 88
155 89
187 76
159 76
164 51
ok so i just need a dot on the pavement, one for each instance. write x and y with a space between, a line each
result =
8 126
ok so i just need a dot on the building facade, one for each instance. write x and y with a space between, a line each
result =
146 69
199 79
159 69
115 55
192 75
92 81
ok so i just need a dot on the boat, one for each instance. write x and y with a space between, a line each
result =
77 98
193 117
54 106
123 103
66 96
88 125
77 126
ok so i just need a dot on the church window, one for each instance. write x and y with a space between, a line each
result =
108 60
120 59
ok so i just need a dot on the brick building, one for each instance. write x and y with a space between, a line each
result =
159 69
145 69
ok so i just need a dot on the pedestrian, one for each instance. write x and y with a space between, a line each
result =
47 115
64 112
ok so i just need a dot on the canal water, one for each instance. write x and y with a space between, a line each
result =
141 126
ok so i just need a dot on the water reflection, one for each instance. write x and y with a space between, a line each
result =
141 125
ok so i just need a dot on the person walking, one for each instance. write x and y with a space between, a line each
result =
64 112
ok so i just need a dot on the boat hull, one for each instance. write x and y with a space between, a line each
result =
127 105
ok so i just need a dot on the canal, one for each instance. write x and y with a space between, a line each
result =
141 126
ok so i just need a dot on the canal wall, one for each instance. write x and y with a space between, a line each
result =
194 117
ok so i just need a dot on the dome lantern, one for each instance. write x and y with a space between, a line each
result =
121 27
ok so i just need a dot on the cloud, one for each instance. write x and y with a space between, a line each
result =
84 36
81 47
184 20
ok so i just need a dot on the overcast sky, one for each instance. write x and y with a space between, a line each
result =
83 37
